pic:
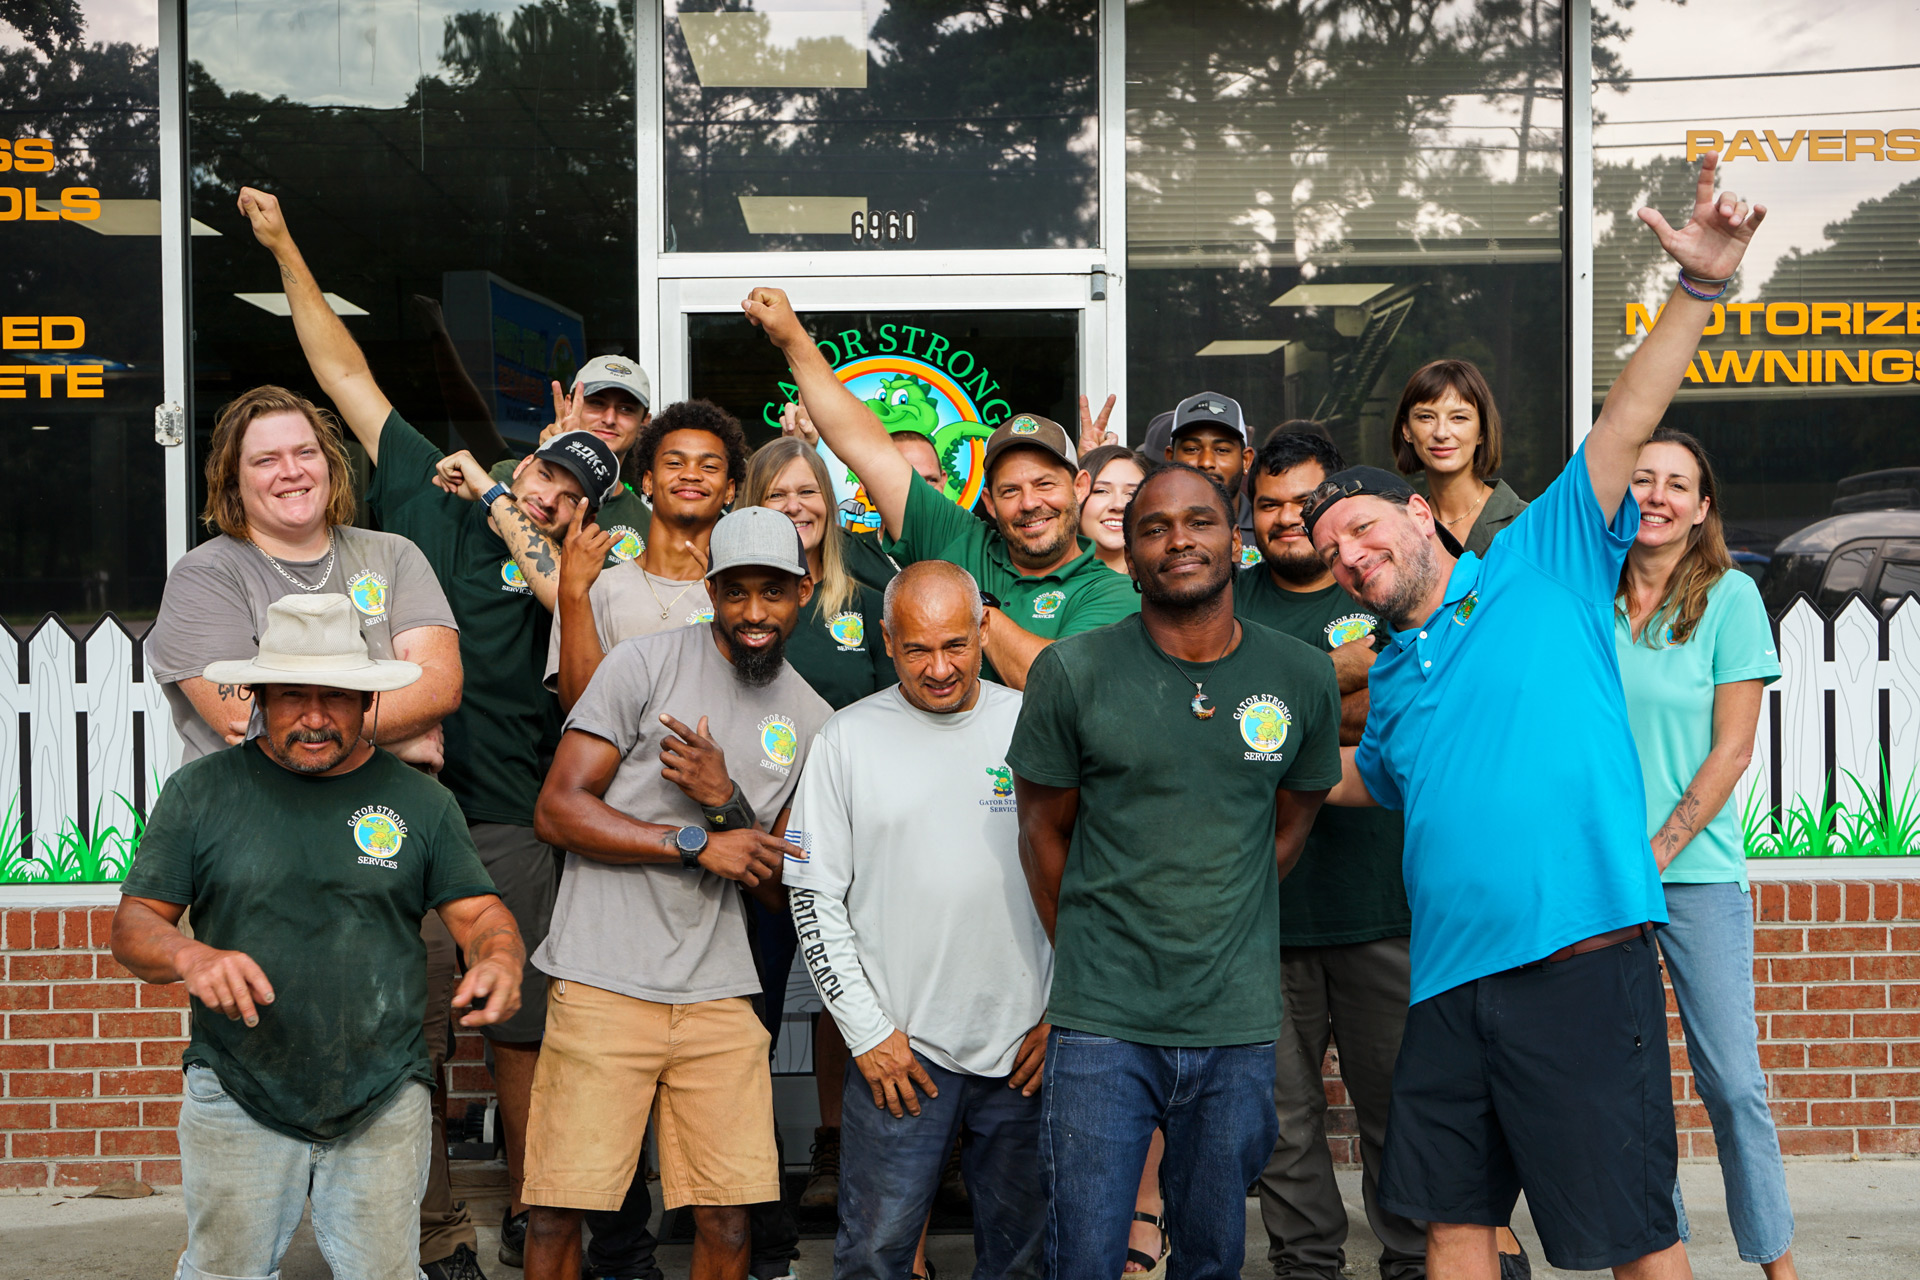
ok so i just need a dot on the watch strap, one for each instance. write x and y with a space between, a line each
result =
494 494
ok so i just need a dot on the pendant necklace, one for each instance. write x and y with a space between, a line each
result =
666 605
1201 707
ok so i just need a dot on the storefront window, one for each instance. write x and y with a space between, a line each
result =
957 126
1317 207
80 334
458 173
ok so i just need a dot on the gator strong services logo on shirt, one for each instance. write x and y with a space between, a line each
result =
511 579
627 543
779 742
368 591
378 832
1354 626
1047 603
849 631
1264 725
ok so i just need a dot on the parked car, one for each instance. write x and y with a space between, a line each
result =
1876 553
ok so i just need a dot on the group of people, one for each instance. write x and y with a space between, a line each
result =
1093 823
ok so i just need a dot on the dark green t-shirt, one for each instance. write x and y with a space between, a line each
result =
626 515
1079 596
842 655
322 881
1346 888
1169 928
494 740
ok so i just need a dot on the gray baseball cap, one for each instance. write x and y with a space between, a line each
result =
757 536
602 372
1209 409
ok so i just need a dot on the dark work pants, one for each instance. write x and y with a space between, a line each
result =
1356 994
444 1226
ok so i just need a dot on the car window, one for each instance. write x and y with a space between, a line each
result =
1846 571
1898 578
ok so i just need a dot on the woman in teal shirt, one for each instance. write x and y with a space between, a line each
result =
1695 653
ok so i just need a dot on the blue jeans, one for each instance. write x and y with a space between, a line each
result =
246 1186
890 1169
1708 947
1102 1101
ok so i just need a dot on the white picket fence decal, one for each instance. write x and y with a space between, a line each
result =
85 742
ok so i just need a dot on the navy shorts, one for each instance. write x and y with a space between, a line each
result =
1555 1080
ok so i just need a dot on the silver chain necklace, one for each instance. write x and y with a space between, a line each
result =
281 569
1201 706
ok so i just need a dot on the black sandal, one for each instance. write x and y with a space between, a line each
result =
1148 1263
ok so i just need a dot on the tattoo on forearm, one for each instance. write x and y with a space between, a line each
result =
538 549
1681 825
286 273
502 939
225 691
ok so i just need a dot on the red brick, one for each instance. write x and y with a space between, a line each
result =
1886 902
1816 1142
97 1115
1904 1054
1774 998
1787 1112
1800 901
1851 939
1778 1057
171 995
25 1115
1905 996
1887 1026
472 1079
1906 1112
90 1054
23 1057
1769 902
1814 1026
1809 969
157 1142
159 1115
1691 1115
93 995
1848 1053
1797 1085
1677 1057
1891 968
1826 1115
49 968
1680 1084
73 930
1847 996
53 1146
16 1177
1827 902
21 996
1771 941
1890 1142
16 930
1702 1145
1859 904
468 1048
118 1026
50 1084
1887 1085
91 1174
160 1173
1910 900
46 930
162 1053
50 1026
120 1084
100 927
106 967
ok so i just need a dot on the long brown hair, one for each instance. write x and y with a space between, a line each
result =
1705 561
224 510
837 588
1428 383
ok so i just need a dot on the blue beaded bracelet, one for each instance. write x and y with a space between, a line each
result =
1705 297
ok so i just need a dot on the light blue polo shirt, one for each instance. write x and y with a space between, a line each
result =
1500 728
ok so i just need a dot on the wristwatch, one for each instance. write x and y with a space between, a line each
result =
494 495
691 842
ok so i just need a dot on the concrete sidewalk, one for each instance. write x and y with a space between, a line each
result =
1857 1221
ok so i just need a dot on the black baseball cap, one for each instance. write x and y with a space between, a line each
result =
1159 436
586 458
1357 481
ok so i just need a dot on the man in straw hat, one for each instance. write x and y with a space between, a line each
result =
309 856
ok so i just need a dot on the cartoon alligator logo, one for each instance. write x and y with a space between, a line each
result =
906 403
1002 780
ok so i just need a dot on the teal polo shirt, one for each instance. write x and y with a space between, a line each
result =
1500 728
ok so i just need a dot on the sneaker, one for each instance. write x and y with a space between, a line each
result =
513 1237
823 1175
1516 1266
460 1265
782 1270
953 1187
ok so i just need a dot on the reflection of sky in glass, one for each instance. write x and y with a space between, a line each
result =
108 22
335 53
1647 121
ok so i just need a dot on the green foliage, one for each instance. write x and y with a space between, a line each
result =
69 855
1883 826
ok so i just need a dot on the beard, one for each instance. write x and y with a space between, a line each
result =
1298 570
1412 583
286 757
1191 595
1066 535
757 667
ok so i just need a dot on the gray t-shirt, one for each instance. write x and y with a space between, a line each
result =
628 602
215 605
660 932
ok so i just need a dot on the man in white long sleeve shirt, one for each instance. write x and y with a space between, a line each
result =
917 928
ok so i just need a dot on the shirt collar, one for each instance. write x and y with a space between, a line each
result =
1071 569
1464 580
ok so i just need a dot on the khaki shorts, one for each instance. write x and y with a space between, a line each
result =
608 1059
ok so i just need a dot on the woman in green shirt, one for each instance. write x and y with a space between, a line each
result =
1448 427
1695 653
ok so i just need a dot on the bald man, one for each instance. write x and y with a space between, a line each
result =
919 934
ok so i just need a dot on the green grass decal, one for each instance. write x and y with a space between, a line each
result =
68 856
1887 826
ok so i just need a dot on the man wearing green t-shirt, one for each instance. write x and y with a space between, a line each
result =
309 856
1344 920
1167 770
1032 563
494 741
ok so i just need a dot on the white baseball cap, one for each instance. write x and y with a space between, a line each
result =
602 372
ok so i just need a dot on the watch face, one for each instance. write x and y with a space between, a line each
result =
690 839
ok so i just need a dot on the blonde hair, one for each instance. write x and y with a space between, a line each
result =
836 588
224 510
1705 561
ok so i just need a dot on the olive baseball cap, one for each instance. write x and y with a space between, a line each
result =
1357 481
1031 431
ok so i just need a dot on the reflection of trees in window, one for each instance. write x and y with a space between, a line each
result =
977 115
48 25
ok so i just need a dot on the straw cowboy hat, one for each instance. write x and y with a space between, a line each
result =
314 640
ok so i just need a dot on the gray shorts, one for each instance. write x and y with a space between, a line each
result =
524 872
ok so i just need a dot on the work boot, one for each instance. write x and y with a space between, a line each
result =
461 1264
823 1175
513 1237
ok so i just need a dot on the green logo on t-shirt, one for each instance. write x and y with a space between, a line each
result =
627 543
1047 603
1354 626
779 741
703 614
1002 780
1264 724
1464 610
1249 557
511 579
369 593
379 832
849 630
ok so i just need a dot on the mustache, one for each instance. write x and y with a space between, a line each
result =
310 737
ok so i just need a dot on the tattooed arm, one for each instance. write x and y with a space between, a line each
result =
1736 710
496 957
225 707
539 559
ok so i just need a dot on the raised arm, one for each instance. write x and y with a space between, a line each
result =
496 957
1708 250
581 560
856 437
332 354
1046 833
1736 714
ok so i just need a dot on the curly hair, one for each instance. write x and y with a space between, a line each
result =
1213 482
224 510
693 415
